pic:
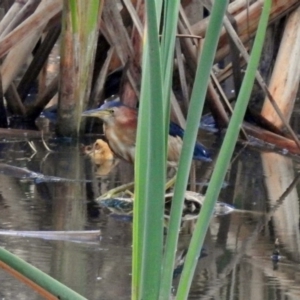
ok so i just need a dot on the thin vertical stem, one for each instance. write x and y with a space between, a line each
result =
224 157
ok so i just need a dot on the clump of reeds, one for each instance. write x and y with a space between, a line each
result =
97 39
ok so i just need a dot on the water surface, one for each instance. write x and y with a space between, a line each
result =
237 257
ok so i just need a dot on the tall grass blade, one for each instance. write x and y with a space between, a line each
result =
171 13
150 169
141 184
40 278
159 7
168 42
194 114
224 157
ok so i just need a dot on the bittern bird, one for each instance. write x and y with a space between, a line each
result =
120 127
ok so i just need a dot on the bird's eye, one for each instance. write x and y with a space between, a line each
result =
111 110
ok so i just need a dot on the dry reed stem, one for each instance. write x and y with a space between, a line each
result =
10 15
182 74
199 29
115 32
14 102
78 49
99 84
215 103
234 8
19 52
20 133
22 14
30 25
272 138
176 112
276 5
247 22
216 107
186 23
235 39
39 61
3 117
134 16
260 80
37 288
285 79
188 48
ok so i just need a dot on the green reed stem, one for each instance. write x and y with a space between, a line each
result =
40 278
150 169
224 158
194 114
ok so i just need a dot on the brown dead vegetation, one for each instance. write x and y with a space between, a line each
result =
30 29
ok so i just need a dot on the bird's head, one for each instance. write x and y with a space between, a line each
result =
105 112
112 112
106 115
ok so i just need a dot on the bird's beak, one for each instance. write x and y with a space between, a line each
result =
99 113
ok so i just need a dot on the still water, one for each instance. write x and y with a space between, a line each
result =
237 257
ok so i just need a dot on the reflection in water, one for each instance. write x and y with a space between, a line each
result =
236 261
279 173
